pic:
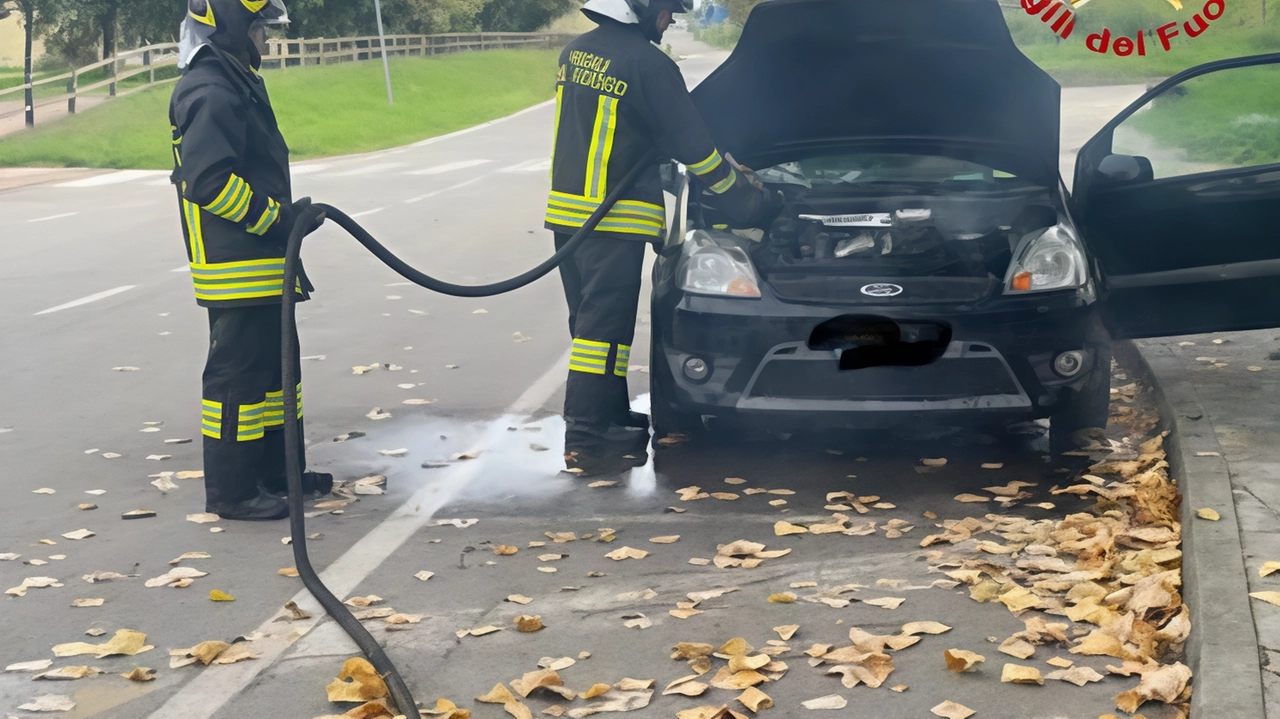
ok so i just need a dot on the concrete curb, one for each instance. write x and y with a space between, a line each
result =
1223 649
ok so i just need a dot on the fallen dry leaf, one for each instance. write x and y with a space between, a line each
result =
783 598
831 701
357 682
203 518
1017 648
189 555
174 575
622 553
504 550
67 674
287 571
218 595
686 686
912 628
971 498
1018 674
83 603
35 666
1078 675
1164 684
952 710
755 700
885 602
1269 597
1208 514
125 642
528 623
140 674
669 539
959 660
787 631
79 534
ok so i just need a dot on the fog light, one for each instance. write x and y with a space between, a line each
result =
1069 364
696 369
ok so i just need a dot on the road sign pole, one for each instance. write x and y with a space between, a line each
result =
382 42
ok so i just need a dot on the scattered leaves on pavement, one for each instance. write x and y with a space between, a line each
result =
357 682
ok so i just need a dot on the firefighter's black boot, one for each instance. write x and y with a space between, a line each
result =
262 507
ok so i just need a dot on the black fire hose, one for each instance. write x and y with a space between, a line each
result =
292 437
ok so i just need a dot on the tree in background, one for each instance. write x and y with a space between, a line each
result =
31 12
739 9
522 15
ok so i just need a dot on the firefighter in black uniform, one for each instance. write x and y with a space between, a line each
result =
231 168
618 96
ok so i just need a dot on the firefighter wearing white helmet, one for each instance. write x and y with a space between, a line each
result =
231 170
617 98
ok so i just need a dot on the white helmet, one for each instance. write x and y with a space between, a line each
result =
630 12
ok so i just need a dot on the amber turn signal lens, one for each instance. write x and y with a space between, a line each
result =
1022 281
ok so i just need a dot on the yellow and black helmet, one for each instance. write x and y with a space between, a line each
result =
226 24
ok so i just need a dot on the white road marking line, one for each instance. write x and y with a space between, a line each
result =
113 178
86 300
166 182
204 695
54 217
296 170
374 211
481 126
450 167
184 268
369 169
429 195
535 165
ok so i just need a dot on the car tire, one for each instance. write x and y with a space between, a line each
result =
1087 409
666 419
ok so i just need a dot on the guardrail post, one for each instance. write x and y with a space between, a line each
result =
71 90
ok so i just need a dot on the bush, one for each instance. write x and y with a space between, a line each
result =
722 35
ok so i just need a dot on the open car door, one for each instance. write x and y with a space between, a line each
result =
1178 199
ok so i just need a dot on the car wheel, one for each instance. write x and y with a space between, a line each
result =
1087 409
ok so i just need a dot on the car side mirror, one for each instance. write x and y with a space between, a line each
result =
1125 169
680 216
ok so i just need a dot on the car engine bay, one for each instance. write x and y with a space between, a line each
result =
901 235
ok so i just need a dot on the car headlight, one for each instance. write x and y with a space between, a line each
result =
1053 260
715 264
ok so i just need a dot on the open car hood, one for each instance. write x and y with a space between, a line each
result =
938 77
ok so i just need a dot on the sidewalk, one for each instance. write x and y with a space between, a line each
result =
1222 401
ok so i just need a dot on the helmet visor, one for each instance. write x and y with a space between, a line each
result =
274 13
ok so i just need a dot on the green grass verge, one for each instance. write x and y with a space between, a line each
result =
333 110
1222 119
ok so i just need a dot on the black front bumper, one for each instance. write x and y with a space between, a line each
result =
996 366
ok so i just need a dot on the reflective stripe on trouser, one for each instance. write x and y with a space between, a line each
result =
602 288
243 402
593 357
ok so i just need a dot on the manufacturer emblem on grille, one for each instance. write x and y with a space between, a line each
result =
882 289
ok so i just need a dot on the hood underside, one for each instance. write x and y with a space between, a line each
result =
922 76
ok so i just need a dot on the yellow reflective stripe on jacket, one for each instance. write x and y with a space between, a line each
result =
191 213
268 218
601 147
211 419
627 216
555 133
254 6
723 186
621 360
250 279
249 422
233 202
707 165
589 356
273 414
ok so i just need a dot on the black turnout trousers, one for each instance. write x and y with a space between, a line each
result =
602 286
243 408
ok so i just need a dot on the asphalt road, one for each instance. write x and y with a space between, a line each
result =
92 278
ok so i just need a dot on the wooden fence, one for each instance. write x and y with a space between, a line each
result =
280 54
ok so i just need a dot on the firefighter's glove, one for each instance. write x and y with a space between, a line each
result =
289 215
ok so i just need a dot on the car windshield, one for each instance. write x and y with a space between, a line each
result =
816 172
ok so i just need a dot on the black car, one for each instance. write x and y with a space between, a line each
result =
929 265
